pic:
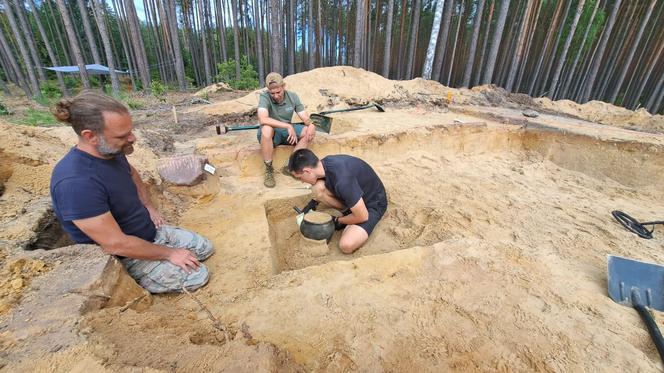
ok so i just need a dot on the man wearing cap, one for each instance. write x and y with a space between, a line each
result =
275 110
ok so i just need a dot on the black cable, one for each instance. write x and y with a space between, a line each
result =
634 225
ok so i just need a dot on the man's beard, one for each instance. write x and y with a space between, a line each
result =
109 152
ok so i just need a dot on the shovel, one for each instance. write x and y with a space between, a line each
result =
379 107
638 284
321 122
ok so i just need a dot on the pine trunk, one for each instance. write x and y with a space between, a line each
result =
358 60
521 36
276 39
473 45
433 39
457 34
21 81
495 42
634 44
175 44
51 54
88 31
388 40
414 29
29 38
204 46
73 43
59 34
100 17
404 11
537 69
291 26
532 27
563 55
615 49
439 58
552 56
592 75
137 44
571 72
644 80
29 65
655 100
480 66
259 43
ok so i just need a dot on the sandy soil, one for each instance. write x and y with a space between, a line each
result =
491 256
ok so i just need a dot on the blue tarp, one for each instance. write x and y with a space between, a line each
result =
94 69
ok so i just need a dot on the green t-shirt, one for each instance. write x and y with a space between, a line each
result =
283 111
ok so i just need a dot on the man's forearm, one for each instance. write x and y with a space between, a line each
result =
353 219
137 248
305 118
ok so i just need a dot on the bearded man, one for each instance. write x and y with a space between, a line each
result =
99 198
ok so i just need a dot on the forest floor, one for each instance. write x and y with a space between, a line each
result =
491 256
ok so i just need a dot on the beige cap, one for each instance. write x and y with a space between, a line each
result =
273 80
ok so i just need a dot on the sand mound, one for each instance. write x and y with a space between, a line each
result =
604 113
343 87
340 87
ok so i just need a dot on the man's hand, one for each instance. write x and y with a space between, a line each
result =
156 217
184 259
292 135
337 224
310 131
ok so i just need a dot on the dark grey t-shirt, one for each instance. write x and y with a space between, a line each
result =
283 111
351 178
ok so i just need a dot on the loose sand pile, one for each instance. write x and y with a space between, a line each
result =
343 87
490 257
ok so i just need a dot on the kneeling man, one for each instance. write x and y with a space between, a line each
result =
100 198
345 183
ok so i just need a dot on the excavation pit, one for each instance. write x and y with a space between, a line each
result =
446 183
49 234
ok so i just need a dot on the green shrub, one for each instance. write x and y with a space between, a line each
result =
158 88
34 117
51 90
134 104
4 110
72 83
248 75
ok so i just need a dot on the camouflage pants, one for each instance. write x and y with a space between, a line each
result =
162 276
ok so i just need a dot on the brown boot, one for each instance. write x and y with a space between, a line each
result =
285 171
269 176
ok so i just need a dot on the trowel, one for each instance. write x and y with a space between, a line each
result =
301 212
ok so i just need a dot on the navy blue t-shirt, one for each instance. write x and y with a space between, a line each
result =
351 178
84 186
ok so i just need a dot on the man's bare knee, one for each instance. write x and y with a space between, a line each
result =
267 133
347 247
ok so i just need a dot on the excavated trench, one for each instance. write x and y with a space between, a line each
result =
432 173
498 230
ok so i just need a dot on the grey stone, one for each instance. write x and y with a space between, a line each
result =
182 170
530 113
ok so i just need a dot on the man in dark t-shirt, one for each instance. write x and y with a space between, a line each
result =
276 106
98 197
346 183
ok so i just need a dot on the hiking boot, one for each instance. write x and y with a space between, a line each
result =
285 171
269 177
